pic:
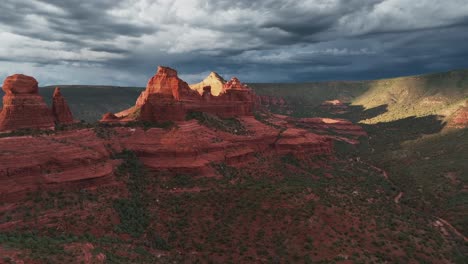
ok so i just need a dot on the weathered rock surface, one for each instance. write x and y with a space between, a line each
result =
165 83
303 143
168 98
61 109
56 161
20 84
109 117
23 107
459 119
214 80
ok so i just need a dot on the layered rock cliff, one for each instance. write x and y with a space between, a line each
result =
23 107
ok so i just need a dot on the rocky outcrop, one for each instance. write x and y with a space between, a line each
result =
168 98
165 83
20 84
460 118
329 125
23 107
302 143
214 80
109 117
60 108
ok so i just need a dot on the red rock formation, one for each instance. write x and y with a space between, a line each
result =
165 83
70 159
23 107
20 84
81 158
303 143
60 108
168 98
235 84
193 147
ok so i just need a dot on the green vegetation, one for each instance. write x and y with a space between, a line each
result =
133 211
431 94
102 130
230 125
27 132
42 247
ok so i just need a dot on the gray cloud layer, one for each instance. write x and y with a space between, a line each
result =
121 42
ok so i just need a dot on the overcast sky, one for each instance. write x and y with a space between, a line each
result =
121 42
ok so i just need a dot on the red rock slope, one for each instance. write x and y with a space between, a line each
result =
79 157
66 159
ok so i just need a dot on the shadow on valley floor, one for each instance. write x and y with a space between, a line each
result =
358 113
385 136
389 135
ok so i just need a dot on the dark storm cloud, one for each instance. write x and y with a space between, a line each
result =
123 41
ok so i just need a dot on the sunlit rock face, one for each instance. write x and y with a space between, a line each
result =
213 80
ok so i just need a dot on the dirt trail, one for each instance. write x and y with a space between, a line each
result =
444 225
382 171
398 197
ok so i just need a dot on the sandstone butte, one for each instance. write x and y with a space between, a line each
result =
214 80
62 112
24 108
168 98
